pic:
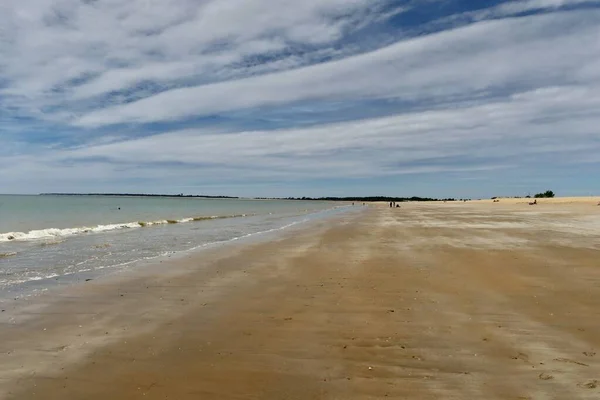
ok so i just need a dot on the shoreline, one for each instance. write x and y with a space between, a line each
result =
353 306
51 278
153 267
77 313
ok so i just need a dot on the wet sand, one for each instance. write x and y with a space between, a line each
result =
429 301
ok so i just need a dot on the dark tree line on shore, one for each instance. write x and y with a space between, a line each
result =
548 194
346 199
138 195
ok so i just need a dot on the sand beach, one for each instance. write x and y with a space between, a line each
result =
475 300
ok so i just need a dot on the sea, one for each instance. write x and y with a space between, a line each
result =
48 240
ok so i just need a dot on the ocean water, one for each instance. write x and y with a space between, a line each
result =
50 240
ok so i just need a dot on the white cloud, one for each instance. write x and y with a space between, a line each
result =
493 55
479 99
45 45
520 6
515 133
538 116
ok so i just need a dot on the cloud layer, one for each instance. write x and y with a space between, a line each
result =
246 97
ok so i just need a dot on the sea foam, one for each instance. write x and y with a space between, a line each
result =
55 233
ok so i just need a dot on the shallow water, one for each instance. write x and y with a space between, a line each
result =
45 239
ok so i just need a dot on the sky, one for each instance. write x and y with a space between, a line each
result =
441 98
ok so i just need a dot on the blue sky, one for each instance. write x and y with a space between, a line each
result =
292 98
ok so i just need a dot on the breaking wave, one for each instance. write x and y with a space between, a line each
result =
56 233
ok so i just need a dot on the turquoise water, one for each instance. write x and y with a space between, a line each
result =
45 240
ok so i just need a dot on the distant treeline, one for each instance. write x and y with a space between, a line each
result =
548 194
137 195
366 199
346 199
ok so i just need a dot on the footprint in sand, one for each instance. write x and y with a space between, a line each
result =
566 360
521 356
593 384
545 377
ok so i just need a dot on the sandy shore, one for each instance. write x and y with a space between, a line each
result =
582 201
429 301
